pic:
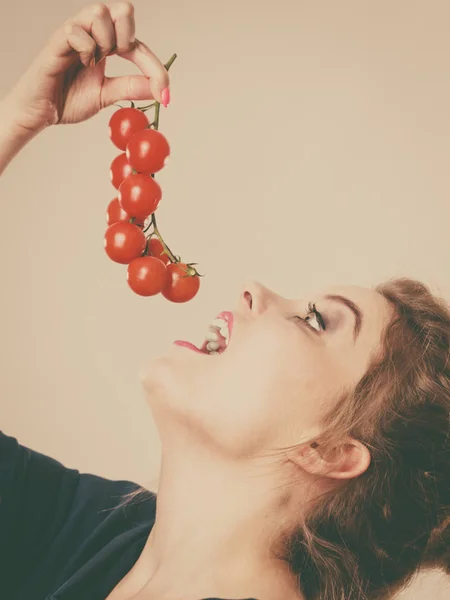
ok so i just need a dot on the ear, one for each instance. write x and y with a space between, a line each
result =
347 461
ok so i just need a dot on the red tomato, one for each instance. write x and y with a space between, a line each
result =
124 123
115 213
139 195
148 151
180 286
146 275
119 169
124 242
156 249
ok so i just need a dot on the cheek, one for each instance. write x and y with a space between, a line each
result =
281 387
265 390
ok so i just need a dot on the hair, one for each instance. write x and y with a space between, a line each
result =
366 540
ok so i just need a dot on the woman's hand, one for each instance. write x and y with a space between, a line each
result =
61 86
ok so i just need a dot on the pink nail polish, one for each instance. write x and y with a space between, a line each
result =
165 96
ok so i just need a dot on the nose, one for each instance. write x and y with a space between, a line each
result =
256 297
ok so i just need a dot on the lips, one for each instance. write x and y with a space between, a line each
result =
217 337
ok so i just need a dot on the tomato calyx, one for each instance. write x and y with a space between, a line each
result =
192 272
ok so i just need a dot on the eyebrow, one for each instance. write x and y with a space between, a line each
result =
353 307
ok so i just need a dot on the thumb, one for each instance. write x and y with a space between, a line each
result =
128 87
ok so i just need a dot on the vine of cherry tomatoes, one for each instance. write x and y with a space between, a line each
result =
152 266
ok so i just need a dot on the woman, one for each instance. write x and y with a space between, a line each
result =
309 460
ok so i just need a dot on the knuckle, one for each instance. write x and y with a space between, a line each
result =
122 49
98 9
124 8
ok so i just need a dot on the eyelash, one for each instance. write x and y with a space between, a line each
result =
313 310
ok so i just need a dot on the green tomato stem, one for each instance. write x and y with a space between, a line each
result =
167 250
155 125
170 61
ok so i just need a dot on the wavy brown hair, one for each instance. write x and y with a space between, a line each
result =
366 540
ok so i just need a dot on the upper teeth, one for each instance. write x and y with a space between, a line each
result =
219 323
212 336
222 325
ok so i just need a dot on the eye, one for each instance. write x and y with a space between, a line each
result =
317 315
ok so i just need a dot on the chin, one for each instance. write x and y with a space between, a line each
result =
155 374
168 380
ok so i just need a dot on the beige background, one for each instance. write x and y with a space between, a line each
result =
310 146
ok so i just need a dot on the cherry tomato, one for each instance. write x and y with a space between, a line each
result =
148 151
156 249
139 195
146 275
115 213
124 123
124 242
119 169
180 286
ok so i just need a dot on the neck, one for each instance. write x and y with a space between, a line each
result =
215 528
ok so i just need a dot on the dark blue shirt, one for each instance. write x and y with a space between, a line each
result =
63 535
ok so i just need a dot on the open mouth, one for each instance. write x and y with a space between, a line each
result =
217 337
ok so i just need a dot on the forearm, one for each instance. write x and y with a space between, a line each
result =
13 137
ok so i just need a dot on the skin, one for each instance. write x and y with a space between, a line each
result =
227 490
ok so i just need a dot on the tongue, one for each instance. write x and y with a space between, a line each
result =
188 345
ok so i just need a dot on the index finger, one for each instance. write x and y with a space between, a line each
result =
150 65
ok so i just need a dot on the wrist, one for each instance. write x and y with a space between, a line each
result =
16 123
13 134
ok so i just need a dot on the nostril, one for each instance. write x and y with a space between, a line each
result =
248 298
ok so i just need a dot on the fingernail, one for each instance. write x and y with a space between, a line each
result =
92 63
165 96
